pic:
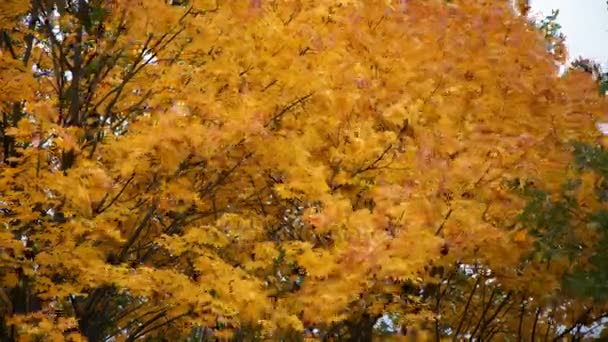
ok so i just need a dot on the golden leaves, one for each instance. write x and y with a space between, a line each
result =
16 81
90 189
10 10
318 263
262 256
194 240
40 325
294 160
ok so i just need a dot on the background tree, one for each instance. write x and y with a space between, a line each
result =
270 168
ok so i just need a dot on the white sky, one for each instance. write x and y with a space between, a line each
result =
585 24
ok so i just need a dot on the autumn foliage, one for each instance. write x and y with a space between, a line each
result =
284 168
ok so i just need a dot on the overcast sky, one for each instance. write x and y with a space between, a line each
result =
585 24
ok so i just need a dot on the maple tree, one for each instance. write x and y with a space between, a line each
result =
274 168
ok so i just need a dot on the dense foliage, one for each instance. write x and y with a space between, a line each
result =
286 169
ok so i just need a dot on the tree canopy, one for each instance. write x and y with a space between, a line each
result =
281 169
